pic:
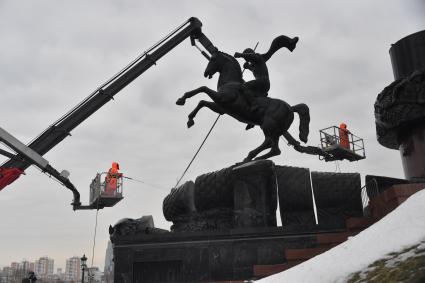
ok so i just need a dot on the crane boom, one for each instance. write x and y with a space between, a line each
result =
59 130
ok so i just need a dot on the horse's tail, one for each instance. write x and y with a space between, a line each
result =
304 113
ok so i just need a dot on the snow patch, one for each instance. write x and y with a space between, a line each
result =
401 229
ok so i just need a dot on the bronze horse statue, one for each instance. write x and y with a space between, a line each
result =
274 116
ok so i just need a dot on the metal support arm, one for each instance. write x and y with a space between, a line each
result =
59 130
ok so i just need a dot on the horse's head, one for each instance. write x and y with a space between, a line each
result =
223 63
214 65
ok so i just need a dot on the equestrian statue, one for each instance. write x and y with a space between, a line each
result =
248 102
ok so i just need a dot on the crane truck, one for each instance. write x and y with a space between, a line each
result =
32 154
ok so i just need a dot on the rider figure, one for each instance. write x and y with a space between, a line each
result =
256 63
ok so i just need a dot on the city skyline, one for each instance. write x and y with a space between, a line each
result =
54 54
33 262
44 269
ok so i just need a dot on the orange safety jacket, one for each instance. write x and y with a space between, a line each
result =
343 136
112 178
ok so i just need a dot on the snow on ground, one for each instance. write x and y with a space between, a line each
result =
400 229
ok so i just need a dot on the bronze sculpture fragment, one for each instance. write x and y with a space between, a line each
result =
249 103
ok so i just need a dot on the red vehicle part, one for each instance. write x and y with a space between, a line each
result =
8 175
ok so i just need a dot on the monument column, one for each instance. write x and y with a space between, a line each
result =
400 107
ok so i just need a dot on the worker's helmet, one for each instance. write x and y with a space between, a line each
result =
248 50
115 165
343 126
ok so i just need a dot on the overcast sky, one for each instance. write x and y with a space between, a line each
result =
54 53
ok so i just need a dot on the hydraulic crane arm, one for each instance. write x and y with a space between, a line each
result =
59 130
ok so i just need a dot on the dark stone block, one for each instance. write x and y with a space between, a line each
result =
294 189
295 201
337 196
214 190
182 199
255 195
238 196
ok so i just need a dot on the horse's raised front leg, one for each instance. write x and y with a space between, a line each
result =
211 105
191 93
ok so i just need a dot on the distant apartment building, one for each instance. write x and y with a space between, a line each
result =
14 265
17 271
44 267
6 274
7 270
73 269
25 265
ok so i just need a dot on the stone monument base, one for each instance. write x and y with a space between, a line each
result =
224 225
236 254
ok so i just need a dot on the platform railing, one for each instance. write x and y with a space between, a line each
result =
102 176
330 137
98 187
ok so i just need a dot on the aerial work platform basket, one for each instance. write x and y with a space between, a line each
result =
330 142
104 193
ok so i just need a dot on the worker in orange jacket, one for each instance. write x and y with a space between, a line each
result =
343 136
112 178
